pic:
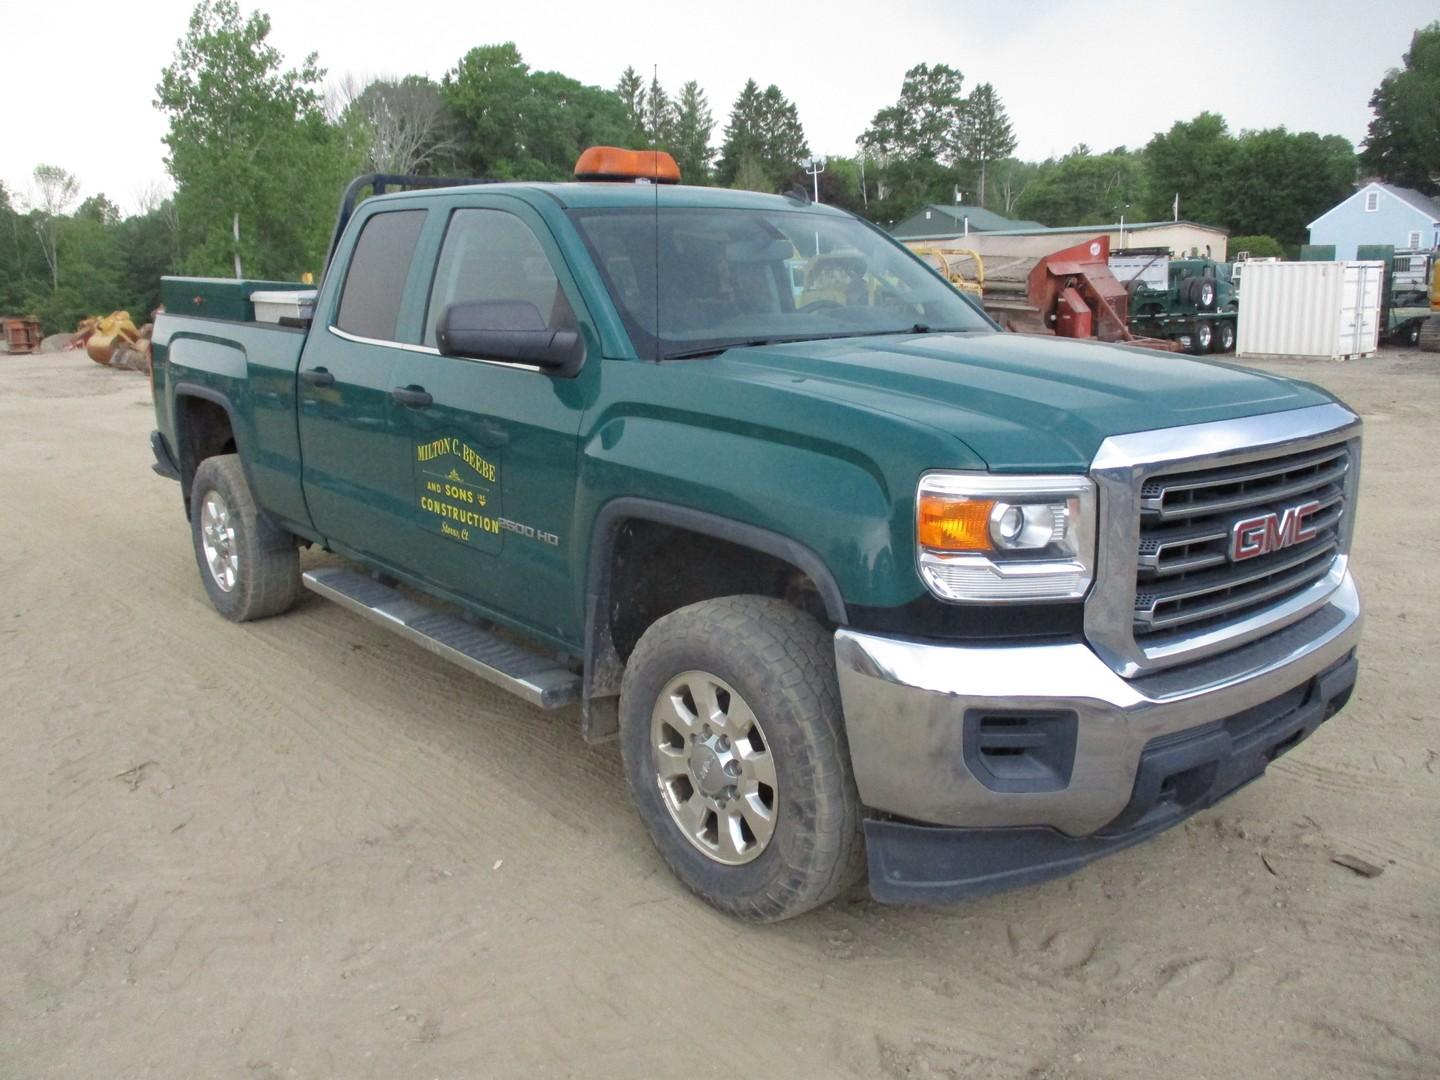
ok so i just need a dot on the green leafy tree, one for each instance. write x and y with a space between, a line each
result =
914 145
514 123
1084 189
99 209
764 140
1259 247
690 142
148 241
22 271
1403 142
839 183
1193 160
1280 181
257 167
1012 177
903 186
925 123
985 134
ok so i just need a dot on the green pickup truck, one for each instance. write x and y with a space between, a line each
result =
855 578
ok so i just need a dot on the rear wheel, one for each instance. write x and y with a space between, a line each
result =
1201 337
1223 338
736 757
249 568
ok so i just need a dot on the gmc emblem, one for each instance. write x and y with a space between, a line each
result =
1272 532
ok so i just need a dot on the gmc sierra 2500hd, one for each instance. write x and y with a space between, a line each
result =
850 573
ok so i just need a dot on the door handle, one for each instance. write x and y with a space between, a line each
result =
318 376
416 397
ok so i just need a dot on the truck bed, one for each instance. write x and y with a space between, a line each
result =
249 369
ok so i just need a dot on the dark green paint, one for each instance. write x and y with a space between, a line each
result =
822 442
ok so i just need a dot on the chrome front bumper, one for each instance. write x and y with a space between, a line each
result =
906 704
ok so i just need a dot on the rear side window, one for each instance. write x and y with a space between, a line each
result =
492 255
375 282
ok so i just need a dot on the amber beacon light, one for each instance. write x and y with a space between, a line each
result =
636 166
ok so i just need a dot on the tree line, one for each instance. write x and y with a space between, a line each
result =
258 153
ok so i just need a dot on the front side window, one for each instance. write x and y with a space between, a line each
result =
375 281
694 280
493 255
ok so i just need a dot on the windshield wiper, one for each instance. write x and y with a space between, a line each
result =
716 350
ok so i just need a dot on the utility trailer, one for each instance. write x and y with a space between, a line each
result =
1189 301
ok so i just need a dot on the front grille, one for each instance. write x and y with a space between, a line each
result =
1186 580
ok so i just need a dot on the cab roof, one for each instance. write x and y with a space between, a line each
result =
618 194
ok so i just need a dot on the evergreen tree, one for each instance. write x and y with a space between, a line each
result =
764 140
691 141
782 136
631 91
985 132
659 115
742 134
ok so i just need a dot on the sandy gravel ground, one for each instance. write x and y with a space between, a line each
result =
303 848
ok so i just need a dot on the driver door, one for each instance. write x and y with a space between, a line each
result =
492 446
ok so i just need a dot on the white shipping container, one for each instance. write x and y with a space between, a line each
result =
269 306
1314 309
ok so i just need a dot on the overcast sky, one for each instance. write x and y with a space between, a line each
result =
79 76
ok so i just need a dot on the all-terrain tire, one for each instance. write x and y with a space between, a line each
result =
260 563
781 663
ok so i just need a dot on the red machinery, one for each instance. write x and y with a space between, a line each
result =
1076 295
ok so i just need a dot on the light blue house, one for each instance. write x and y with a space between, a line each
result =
1379 214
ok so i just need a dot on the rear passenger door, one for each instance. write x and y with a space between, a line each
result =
355 480
494 447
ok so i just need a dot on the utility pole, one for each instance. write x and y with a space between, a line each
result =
815 168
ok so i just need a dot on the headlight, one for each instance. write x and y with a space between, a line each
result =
998 538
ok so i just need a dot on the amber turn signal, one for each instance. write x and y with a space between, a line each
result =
947 523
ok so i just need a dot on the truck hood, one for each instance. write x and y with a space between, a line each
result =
1019 402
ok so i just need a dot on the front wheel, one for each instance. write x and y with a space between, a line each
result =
249 568
736 757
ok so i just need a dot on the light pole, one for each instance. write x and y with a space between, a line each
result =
815 168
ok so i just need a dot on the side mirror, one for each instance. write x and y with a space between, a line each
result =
508 332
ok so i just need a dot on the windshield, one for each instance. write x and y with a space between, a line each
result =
743 276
